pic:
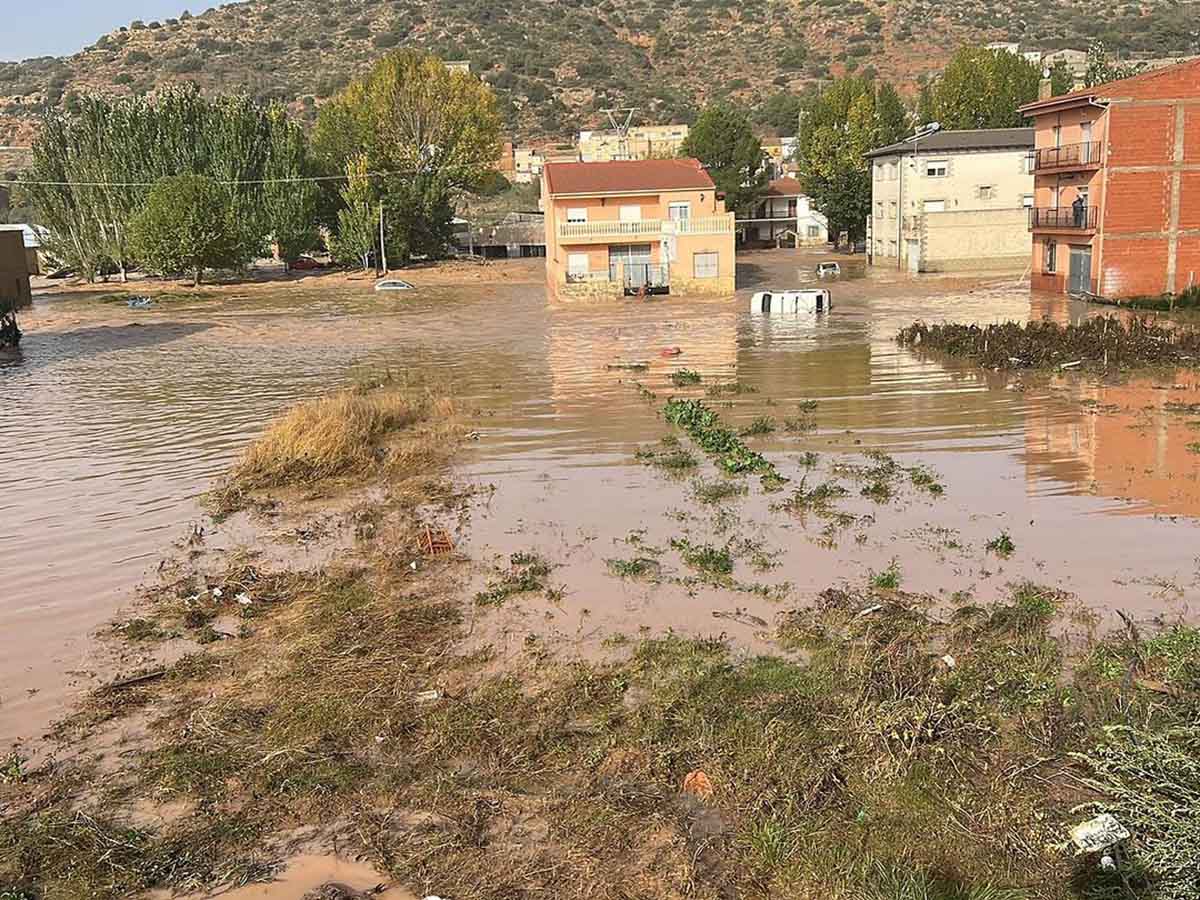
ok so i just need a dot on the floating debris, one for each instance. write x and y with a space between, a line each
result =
436 542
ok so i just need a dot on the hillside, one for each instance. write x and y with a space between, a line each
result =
556 62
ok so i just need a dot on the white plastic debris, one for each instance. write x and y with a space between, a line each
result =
413 565
218 593
950 661
243 598
427 696
1098 834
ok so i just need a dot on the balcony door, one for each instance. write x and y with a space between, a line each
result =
636 258
1085 137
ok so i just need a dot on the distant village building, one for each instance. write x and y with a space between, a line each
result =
784 217
518 235
1117 186
641 142
624 227
780 156
952 201
14 271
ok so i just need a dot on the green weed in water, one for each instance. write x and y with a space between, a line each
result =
685 377
638 567
526 576
1002 545
704 557
717 491
888 579
761 425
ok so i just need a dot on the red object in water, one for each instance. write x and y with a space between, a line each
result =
670 351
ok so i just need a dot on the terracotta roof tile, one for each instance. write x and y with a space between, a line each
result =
626 176
785 187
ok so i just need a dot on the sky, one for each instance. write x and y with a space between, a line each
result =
31 28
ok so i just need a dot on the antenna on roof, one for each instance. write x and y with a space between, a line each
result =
621 127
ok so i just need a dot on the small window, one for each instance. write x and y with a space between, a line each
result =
987 192
892 248
814 231
937 168
679 211
1050 263
577 215
892 169
1027 201
631 214
879 209
891 209
705 265
932 206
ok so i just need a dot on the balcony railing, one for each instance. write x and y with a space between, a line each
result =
1068 156
1063 218
646 228
641 228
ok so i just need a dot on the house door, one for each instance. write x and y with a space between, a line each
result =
636 258
1080 278
914 256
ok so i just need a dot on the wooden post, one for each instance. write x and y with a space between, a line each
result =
382 242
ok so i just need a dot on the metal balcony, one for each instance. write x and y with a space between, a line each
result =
1063 218
1065 158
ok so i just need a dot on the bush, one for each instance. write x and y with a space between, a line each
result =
187 225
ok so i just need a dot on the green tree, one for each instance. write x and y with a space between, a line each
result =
435 130
1101 68
1062 80
724 142
357 220
981 88
840 125
187 225
290 204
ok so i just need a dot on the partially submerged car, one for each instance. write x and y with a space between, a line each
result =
781 302
828 269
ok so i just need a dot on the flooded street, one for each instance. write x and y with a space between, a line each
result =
114 421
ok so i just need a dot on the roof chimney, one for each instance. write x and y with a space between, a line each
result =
1045 86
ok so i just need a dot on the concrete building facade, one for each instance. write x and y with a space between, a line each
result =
641 142
623 227
1117 169
784 217
952 201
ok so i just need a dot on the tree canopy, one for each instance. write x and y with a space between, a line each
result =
1101 68
93 169
435 131
724 142
981 88
187 224
841 124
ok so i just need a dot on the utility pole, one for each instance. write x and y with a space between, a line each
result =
621 127
382 242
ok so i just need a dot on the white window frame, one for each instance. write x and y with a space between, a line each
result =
879 209
1027 201
630 213
706 264
892 209
987 192
936 168
577 215
933 206
678 212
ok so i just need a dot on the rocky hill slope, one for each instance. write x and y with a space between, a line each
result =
555 63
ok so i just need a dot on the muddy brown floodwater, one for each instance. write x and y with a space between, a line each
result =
114 421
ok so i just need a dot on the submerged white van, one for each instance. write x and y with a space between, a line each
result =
777 302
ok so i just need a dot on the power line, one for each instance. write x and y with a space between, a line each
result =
258 181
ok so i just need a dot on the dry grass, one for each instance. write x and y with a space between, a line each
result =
354 432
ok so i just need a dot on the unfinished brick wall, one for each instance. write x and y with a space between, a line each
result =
1133 266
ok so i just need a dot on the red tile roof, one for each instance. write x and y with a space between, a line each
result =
627 176
1179 80
785 187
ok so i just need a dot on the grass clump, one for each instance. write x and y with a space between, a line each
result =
760 426
735 388
1002 545
639 567
717 490
888 579
526 575
669 456
350 432
685 377
715 561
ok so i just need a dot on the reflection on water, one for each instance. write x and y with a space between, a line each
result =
114 421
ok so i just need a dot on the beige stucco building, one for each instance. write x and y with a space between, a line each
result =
641 142
616 228
952 201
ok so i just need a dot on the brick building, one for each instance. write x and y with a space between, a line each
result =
1117 186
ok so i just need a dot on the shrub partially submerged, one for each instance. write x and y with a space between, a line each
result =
1098 343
